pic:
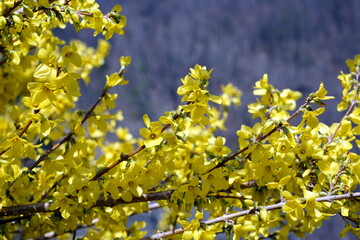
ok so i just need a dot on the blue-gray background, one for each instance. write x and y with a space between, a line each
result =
298 43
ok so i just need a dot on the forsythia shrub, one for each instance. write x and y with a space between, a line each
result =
58 173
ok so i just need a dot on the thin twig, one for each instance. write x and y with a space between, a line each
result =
125 157
52 149
70 134
349 219
14 219
9 10
21 132
333 185
53 187
226 196
102 202
260 138
349 110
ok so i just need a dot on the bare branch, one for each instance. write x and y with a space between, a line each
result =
337 178
102 202
25 209
109 202
227 217
9 10
70 134
156 196
22 132
262 137
349 110
125 157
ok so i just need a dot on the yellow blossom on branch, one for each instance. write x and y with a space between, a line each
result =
152 132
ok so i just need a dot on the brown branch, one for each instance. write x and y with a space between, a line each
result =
227 217
260 138
152 206
233 156
25 209
81 12
9 10
249 184
70 134
156 196
349 219
56 146
14 219
91 110
349 110
301 108
53 187
226 196
109 202
125 157
333 185
21 132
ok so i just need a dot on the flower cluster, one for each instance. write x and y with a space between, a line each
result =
60 172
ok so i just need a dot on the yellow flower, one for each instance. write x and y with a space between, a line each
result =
191 191
66 204
70 84
230 95
152 132
118 190
241 230
88 194
321 94
189 85
125 61
193 229
115 79
200 73
310 117
2 22
215 179
262 87
19 147
69 55
293 207
47 69
218 148
353 64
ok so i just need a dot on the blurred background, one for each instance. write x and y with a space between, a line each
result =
298 43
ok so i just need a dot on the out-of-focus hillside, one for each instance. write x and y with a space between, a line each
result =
298 43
